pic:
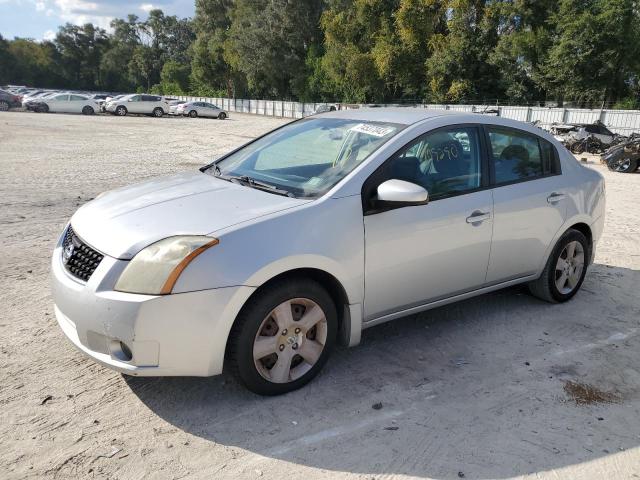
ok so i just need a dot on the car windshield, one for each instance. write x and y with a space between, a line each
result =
306 158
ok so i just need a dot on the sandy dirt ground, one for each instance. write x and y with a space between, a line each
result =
500 386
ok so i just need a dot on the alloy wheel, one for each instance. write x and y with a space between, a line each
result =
623 165
290 340
569 267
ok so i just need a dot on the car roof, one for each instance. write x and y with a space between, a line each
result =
401 115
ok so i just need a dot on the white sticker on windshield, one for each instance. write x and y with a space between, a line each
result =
375 130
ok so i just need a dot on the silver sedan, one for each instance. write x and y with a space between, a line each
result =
201 109
263 260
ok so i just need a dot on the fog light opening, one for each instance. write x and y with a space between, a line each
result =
126 351
120 351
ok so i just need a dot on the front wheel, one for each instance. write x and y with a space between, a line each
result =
193 114
283 337
158 112
121 111
88 111
565 270
4 106
222 116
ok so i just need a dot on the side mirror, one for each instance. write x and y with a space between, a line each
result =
399 192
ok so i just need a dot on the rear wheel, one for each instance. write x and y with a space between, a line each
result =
158 112
4 106
88 110
623 165
121 111
222 116
565 270
193 114
283 337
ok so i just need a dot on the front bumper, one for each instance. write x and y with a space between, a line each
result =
178 335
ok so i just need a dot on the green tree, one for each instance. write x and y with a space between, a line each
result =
595 49
81 49
523 45
268 43
174 78
210 73
458 69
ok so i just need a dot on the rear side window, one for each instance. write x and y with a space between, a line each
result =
518 155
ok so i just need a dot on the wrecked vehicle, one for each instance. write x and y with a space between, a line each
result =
624 157
570 132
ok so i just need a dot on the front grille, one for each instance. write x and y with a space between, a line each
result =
79 259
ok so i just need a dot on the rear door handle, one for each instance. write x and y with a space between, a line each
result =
478 216
555 197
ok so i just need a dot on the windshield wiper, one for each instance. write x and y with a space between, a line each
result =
250 182
257 184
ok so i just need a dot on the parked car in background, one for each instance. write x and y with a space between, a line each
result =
201 109
9 100
66 103
27 99
100 99
110 99
258 261
32 103
324 108
624 157
140 103
173 105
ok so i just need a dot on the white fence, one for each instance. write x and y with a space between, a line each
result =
619 121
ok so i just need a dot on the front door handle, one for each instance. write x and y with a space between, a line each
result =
555 197
478 216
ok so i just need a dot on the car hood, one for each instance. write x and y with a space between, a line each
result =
122 222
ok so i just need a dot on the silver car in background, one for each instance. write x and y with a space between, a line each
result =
201 109
140 103
262 260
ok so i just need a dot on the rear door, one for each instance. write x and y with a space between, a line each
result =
58 103
77 103
135 104
212 110
529 201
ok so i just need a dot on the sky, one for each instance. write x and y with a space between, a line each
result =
40 19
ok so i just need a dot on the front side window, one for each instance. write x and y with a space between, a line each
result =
518 155
77 98
444 162
308 157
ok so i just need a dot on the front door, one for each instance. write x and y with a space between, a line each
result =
418 254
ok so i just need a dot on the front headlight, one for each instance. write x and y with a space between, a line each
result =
156 268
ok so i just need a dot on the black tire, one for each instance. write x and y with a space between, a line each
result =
4 106
193 114
158 112
44 108
545 286
88 110
121 111
241 339
577 148
623 165
222 116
